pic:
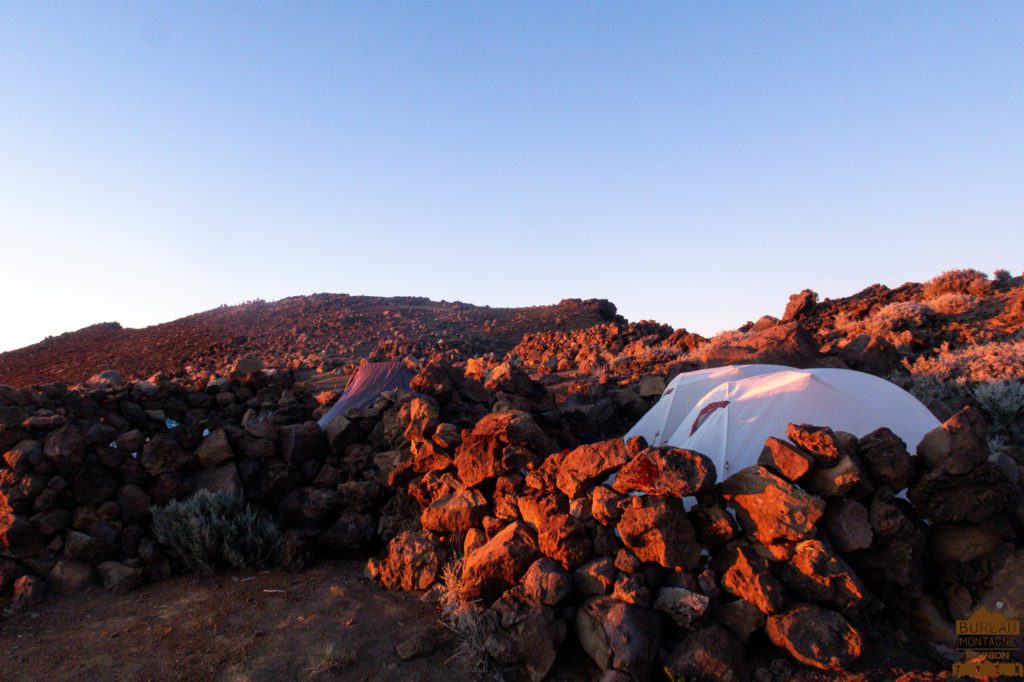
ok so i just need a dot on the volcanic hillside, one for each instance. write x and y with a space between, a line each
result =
317 331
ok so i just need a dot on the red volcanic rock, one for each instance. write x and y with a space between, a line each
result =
522 636
214 451
18 538
957 446
619 636
886 459
65 446
848 525
818 575
787 344
745 574
666 471
711 653
413 561
588 465
498 443
595 577
785 459
816 637
456 511
656 529
800 306
683 606
839 479
769 508
819 441
162 454
498 565
546 582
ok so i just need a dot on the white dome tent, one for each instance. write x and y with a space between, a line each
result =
731 422
683 393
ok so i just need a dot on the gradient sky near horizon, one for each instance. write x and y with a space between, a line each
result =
695 163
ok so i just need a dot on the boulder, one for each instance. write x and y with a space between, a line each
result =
769 508
820 441
962 543
606 506
456 511
619 636
163 455
29 591
839 479
18 537
972 498
341 432
352 532
71 577
741 617
816 574
522 636
632 589
785 459
224 480
215 450
800 305
309 507
249 364
656 529
18 491
86 547
666 472
546 582
303 442
885 457
65 446
848 525
93 485
815 636
120 579
788 344
595 577
708 655
500 442
589 465
746 575
714 525
683 606
958 445
498 564
413 561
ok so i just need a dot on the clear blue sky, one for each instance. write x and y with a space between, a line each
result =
693 162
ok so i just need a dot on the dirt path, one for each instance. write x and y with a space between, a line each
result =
271 626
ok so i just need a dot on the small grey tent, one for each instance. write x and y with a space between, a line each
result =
369 381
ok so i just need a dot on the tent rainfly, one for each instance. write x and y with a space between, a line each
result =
731 421
369 381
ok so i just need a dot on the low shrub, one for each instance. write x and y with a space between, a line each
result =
211 532
1003 401
982 363
966 281
953 303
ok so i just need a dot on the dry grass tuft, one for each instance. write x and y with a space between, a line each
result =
464 619
329 659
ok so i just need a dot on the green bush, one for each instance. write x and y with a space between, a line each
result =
212 532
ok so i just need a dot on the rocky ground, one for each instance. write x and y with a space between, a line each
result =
486 489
